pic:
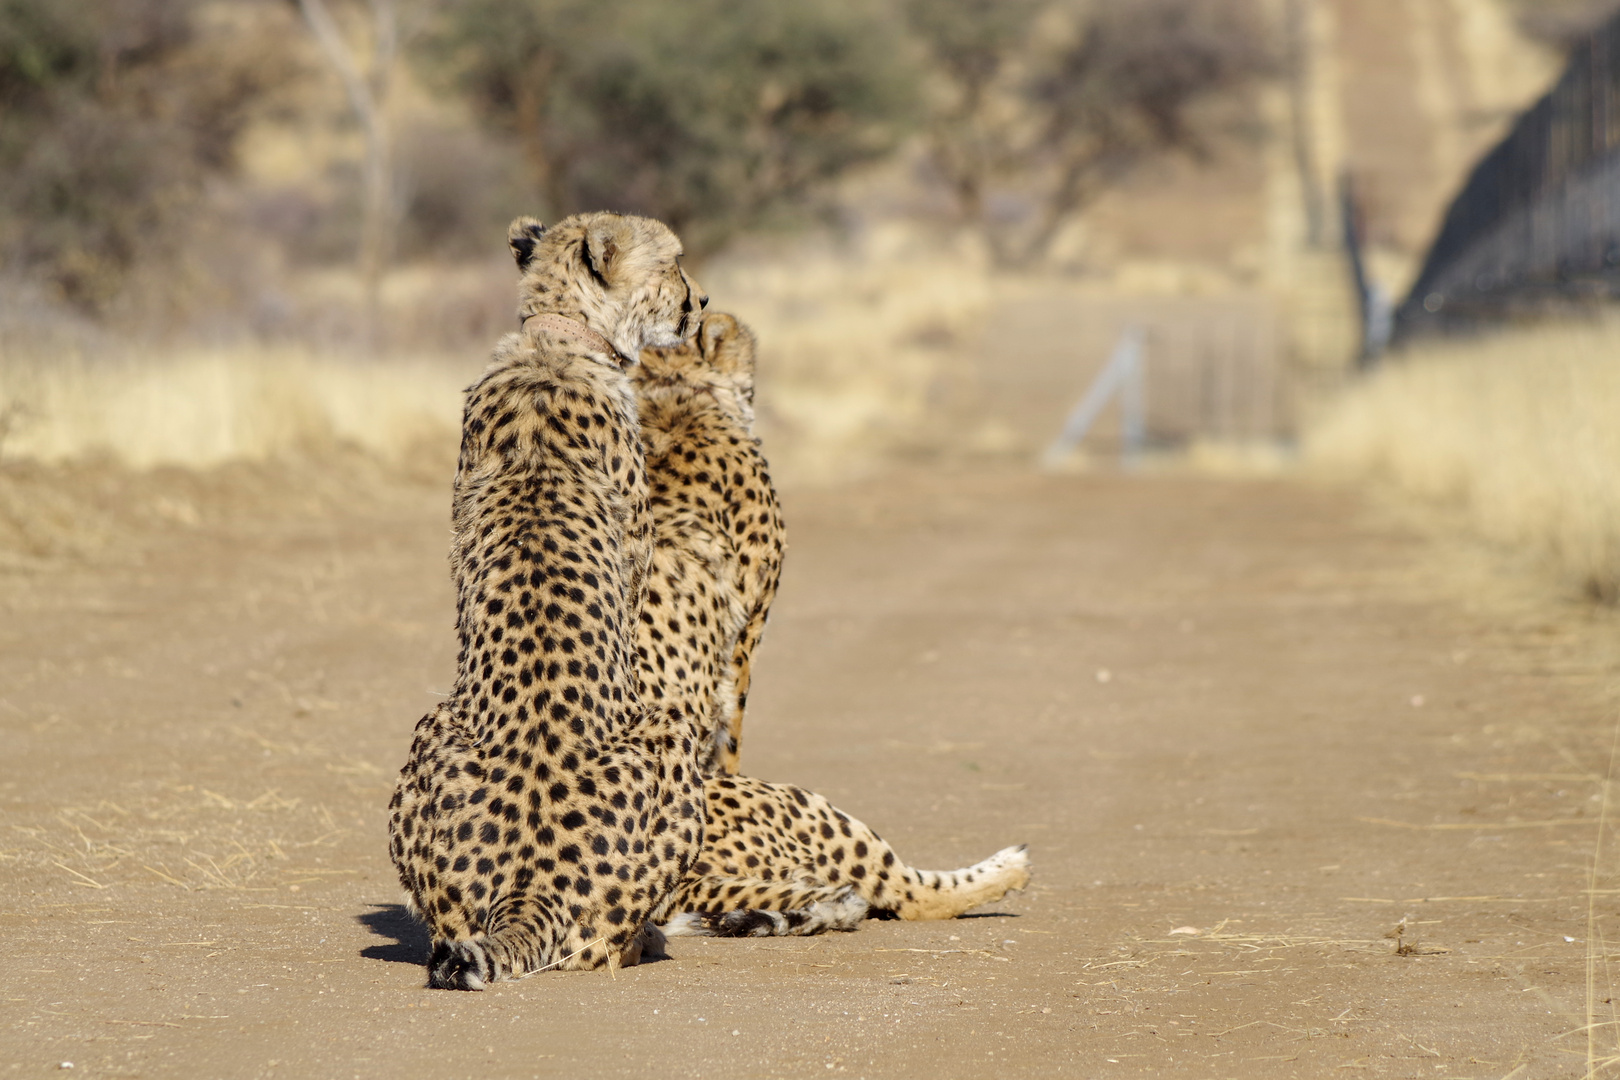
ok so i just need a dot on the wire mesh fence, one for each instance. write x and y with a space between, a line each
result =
1537 224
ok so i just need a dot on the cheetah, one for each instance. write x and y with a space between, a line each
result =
718 533
776 859
545 812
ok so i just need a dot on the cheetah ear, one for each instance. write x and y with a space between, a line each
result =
523 236
604 238
717 327
727 345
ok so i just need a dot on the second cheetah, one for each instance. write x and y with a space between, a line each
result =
776 859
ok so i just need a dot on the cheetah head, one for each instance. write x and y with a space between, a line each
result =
720 357
618 274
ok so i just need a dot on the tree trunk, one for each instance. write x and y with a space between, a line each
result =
368 98
1070 194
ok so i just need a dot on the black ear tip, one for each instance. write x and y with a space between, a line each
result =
522 251
526 226
523 236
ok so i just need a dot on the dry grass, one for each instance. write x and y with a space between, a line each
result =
100 440
179 835
96 447
200 408
1518 430
852 338
855 341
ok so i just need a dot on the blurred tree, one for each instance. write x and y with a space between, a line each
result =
1126 88
368 92
713 115
1047 104
511 56
975 46
112 113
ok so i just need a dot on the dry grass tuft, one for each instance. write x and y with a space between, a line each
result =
1518 430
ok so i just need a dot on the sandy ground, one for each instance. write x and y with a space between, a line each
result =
1245 727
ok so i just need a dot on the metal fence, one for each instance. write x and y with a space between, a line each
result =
1125 373
1538 222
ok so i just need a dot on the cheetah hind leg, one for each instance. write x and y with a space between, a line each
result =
793 911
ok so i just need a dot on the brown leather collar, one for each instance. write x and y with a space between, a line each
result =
561 324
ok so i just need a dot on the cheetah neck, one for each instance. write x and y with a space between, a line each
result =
564 326
681 396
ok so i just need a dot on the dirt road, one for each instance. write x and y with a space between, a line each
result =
1242 731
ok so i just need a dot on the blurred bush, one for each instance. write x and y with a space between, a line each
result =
123 124
459 189
113 114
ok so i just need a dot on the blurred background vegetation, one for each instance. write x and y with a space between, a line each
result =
168 160
242 229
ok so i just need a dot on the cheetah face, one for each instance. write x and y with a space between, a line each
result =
673 304
621 274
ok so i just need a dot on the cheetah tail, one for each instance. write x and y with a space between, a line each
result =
844 913
945 894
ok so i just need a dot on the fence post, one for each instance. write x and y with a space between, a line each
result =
1133 406
1124 374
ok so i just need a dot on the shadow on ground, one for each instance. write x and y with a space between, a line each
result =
409 944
